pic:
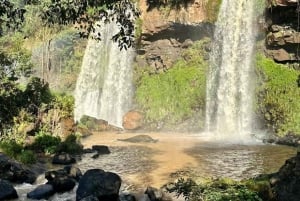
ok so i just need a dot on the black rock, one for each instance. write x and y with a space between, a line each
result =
63 159
62 184
286 182
73 172
15 172
7 191
101 149
100 184
126 197
41 192
64 179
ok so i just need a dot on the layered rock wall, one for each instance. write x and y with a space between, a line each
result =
283 36
166 31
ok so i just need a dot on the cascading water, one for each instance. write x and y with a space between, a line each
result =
104 86
229 87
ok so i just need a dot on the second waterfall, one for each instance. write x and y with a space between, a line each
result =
229 105
104 86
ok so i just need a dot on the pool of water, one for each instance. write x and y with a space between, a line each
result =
174 155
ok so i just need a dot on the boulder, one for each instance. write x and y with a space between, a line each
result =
63 159
67 127
99 184
286 182
154 194
41 192
7 191
73 172
140 139
64 179
101 149
15 172
62 184
280 55
132 120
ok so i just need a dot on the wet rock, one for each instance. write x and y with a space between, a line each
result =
63 159
289 140
154 194
62 184
64 179
90 198
126 197
286 182
41 192
100 184
101 149
145 198
96 156
15 172
73 172
88 151
7 191
133 120
139 139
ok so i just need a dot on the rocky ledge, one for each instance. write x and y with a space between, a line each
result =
283 37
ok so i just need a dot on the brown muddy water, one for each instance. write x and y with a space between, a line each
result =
174 155
182 155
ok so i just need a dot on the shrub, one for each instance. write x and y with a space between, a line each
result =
212 10
216 190
11 148
27 157
45 142
65 103
71 145
278 96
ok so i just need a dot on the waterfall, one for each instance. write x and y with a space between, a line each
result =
229 106
104 87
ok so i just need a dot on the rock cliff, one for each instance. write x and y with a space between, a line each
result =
166 31
283 36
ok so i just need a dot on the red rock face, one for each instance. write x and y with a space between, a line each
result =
132 120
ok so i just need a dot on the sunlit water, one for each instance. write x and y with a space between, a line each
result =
173 156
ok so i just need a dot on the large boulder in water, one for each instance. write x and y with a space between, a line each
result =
63 159
100 184
140 139
64 179
7 191
43 191
15 172
286 182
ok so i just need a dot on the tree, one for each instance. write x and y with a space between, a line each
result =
81 13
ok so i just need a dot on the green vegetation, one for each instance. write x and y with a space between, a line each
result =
278 96
214 190
212 10
178 93
16 151
45 142
70 145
